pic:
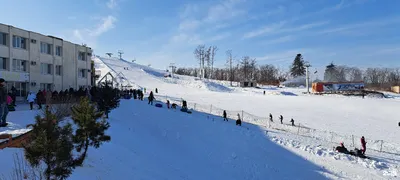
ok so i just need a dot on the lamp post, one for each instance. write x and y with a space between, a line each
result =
307 65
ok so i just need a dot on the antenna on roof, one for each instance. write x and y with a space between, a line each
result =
109 54
120 52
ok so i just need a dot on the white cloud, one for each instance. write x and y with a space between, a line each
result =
282 39
264 30
188 25
354 28
89 35
106 24
226 10
112 4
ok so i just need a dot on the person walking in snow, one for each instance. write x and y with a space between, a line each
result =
156 90
363 145
168 104
264 92
224 115
151 98
292 121
3 102
40 99
270 117
31 99
238 121
281 118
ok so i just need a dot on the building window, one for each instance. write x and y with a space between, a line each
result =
82 56
58 70
3 63
58 50
19 42
46 69
82 73
19 65
3 39
45 48
48 87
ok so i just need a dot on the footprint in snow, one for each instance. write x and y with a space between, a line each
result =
234 156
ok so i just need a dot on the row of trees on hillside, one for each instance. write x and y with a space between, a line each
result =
247 69
375 78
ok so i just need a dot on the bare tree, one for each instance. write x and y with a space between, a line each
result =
354 74
229 62
199 53
214 50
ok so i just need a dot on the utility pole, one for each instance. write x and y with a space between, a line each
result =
307 65
120 52
172 66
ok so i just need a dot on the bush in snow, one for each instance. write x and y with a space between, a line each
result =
90 130
51 146
107 99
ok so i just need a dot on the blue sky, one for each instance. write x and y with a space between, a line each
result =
359 33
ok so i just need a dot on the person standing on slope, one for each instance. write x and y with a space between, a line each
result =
151 98
292 121
281 118
224 115
270 117
238 121
363 145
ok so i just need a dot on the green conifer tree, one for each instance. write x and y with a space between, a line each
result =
52 145
91 128
107 99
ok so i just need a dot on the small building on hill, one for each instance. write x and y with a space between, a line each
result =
396 89
248 84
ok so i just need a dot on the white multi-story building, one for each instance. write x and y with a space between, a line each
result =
31 61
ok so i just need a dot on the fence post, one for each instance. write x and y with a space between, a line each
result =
298 130
352 137
381 146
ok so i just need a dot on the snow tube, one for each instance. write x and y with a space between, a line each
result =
159 105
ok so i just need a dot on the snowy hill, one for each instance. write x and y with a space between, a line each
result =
371 117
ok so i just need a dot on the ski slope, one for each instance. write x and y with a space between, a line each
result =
153 143
373 118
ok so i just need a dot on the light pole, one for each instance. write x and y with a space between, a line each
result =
307 65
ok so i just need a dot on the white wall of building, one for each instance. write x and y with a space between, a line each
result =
34 58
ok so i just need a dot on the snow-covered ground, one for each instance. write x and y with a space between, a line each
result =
153 143
160 143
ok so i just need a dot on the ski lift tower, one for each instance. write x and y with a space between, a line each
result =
172 66
307 65
120 52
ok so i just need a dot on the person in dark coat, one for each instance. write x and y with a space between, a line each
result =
238 121
363 145
134 94
342 149
40 99
168 103
3 102
156 90
281 118
13 95
270 117
225 116
292 121
151 98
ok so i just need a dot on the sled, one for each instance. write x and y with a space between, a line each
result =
159 105
186 111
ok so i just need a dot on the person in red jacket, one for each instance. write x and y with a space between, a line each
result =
363 145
